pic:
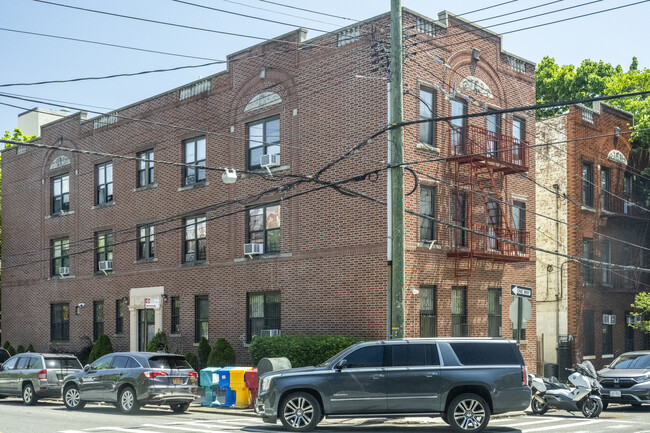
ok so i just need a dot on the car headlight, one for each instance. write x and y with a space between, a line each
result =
265 383
640 379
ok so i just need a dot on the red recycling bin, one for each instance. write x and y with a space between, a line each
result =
250 377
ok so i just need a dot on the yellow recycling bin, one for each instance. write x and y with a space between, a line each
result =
238 384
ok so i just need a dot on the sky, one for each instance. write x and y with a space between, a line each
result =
612 36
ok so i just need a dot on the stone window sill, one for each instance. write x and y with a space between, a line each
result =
145 187
194 186
102 274
103 205
59 214
263 257
59 277
608 356
428 147
194 263
147 260
263 170
588 209
429 245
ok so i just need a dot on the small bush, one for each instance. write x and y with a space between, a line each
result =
222 354
83 355
30 348
204 351
301 350
103 346
159 339
20 349
193 360
7 345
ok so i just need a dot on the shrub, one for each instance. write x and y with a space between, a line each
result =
193 360
222 354
156 340
20 349
103 346
7 345
204 351
30 348
301 350
83 355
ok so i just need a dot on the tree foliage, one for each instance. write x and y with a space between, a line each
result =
103 346
557 83
222 354
642 305
158 340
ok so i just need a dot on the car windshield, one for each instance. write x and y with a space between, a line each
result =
62 363
631 360
169 362
329 361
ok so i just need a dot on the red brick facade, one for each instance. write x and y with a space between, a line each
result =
331 270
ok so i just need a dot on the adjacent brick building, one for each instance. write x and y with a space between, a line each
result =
96 243
587 183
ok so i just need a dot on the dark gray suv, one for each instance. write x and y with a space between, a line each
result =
462 380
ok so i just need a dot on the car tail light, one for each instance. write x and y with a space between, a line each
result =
152 374
193 374
41 374
524 374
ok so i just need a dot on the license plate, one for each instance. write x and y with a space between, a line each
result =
615 393
179 381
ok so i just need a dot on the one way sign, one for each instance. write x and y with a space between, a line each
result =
522 291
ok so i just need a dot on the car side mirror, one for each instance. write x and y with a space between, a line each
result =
86 368
341 364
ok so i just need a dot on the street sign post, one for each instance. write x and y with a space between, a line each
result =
521 291
520 309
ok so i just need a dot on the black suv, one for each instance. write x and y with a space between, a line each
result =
463 380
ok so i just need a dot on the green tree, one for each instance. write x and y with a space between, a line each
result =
204 351
642 305
222 354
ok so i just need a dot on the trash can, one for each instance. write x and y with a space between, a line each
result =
551 370
238 385
210 384
272 364
564 348
224 384
250 377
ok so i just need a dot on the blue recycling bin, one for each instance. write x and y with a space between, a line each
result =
224 384
210 384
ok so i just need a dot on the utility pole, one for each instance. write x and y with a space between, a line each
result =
396 284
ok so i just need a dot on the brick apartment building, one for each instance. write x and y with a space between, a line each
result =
96 243
588 184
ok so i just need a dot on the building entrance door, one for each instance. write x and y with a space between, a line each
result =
146 328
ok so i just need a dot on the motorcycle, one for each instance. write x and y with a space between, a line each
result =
584 397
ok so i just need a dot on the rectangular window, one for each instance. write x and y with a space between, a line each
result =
458 108
145 168
627 184
519 224
427 112
494 312
519 140
176 315
459 311
61 193
195 239
459 218
494 223
263 138
587 185
98 319
201 314
60 255
494 134
103 248
119 316
427 208
606 256
588 332
60 322
605 189
146 242
428 311
194 156
587 267
264 313
608 346
264 227
104 178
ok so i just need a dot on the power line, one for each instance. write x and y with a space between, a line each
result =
517 11
489 7
307 10
547 13
279 13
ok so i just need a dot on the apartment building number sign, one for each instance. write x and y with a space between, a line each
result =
617 156
476 85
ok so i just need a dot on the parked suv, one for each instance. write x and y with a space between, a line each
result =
36 375
627 379
132 379
462 380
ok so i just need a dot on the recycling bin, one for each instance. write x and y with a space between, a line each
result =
238 384
224 384
250 377
210 384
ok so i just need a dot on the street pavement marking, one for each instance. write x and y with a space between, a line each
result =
128 430
178 428
568 425
537 421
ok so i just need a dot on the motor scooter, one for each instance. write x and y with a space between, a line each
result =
551 394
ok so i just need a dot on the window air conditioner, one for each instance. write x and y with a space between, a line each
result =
609 319
253 248
631 320
270 160
64 270
190 180
106 265
190 257
270 333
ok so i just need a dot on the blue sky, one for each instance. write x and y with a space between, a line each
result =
612 36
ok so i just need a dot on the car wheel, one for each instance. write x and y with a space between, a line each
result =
444 417
591 408
468 413
180 407
538 407
605 405
29 396
300 412
72 398
127 400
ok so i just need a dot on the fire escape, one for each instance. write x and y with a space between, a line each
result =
485 226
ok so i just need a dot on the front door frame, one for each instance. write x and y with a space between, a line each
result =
136 302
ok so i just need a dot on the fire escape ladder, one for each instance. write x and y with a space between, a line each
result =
463 254
484 176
